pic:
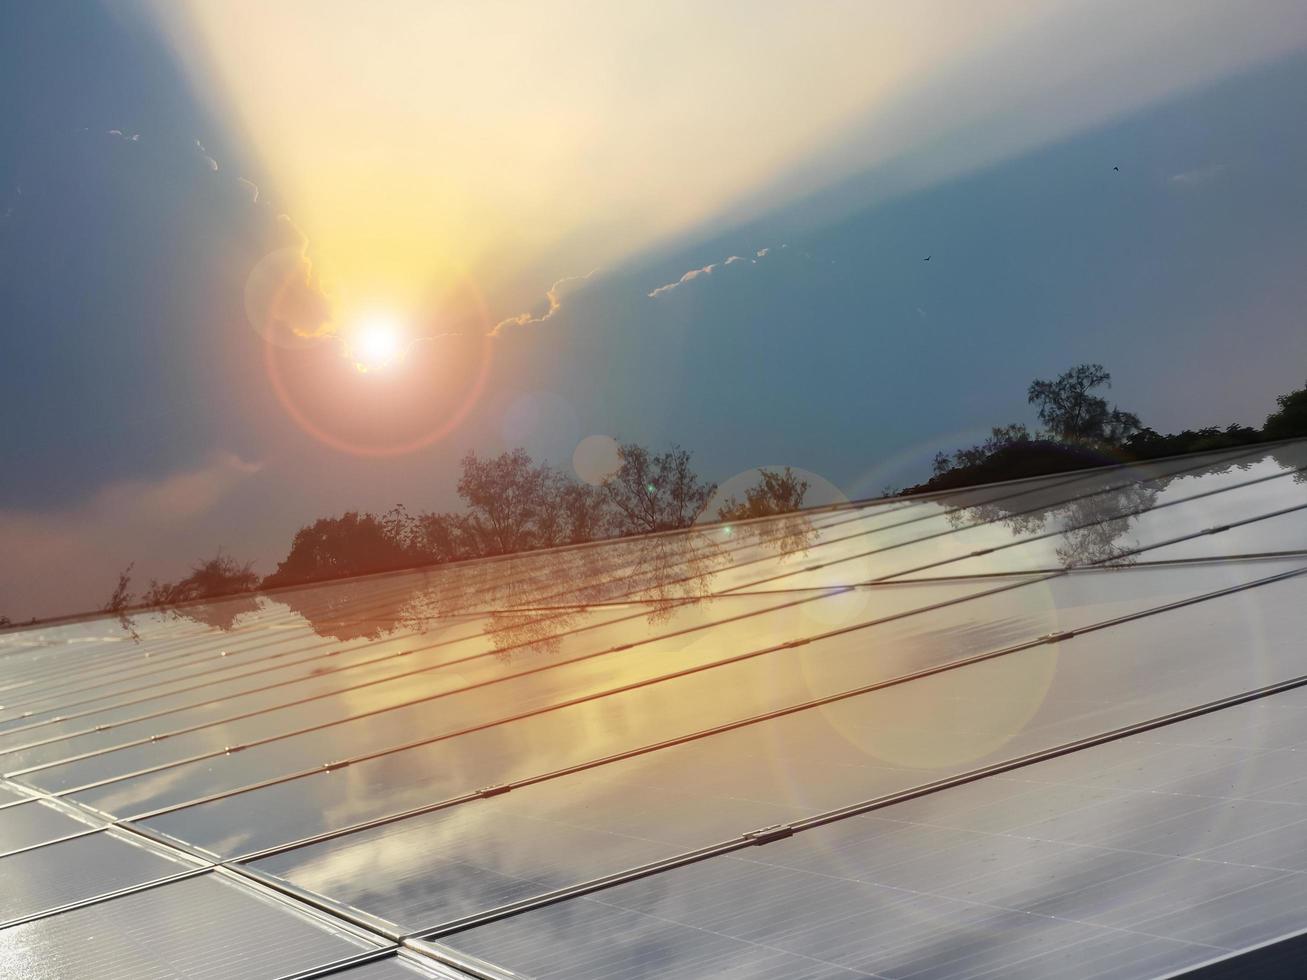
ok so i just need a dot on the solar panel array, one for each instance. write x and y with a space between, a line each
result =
1048 728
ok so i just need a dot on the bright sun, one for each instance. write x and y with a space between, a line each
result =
376 342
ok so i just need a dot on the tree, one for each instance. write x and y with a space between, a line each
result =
655 493
121 597
1149 444
584 511
1071 412
1000 437
508 499
776 492
443 537
1291 418
218 576
352 544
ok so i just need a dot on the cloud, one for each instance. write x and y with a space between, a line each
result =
285 302
554 299
1196 177
134 138
70 557
212 163
707 270
251 187
690 276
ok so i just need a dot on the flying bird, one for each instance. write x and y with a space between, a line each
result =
927 258
1117 169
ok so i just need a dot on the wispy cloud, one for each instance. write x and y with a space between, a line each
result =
553 297
1198 176
707 270
251 188
209 161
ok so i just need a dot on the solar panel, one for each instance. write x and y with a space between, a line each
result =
1128 859
1043 728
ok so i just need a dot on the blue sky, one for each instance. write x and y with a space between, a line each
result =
141 424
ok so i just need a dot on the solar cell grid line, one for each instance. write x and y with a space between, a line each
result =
157 684
192 674
1018 541
472 685
408 652
397 963
1110 565
476 587
13 736
344 966
956 494
943 534
255 650
1124 556
708 732
113 713
624 840
199 865
982 495
27 764
208 924
34 821
734 659
1062 481
1234 900
396 588
417 744
221 643
463 963
271 612
768 835
104 896
382 753
233 659
1127 553
11 742
802 578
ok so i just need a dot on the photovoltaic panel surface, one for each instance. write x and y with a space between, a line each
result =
1044 728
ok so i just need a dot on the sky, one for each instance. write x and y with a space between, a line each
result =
262 262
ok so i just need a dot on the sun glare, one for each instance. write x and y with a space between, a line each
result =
376 342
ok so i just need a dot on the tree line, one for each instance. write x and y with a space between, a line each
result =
1081 430
513 504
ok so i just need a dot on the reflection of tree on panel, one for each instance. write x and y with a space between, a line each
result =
1094 525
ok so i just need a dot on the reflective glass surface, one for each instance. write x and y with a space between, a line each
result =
83 867
199 927
425 746
1134 858
38 821
482 854
1075 523
674 708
